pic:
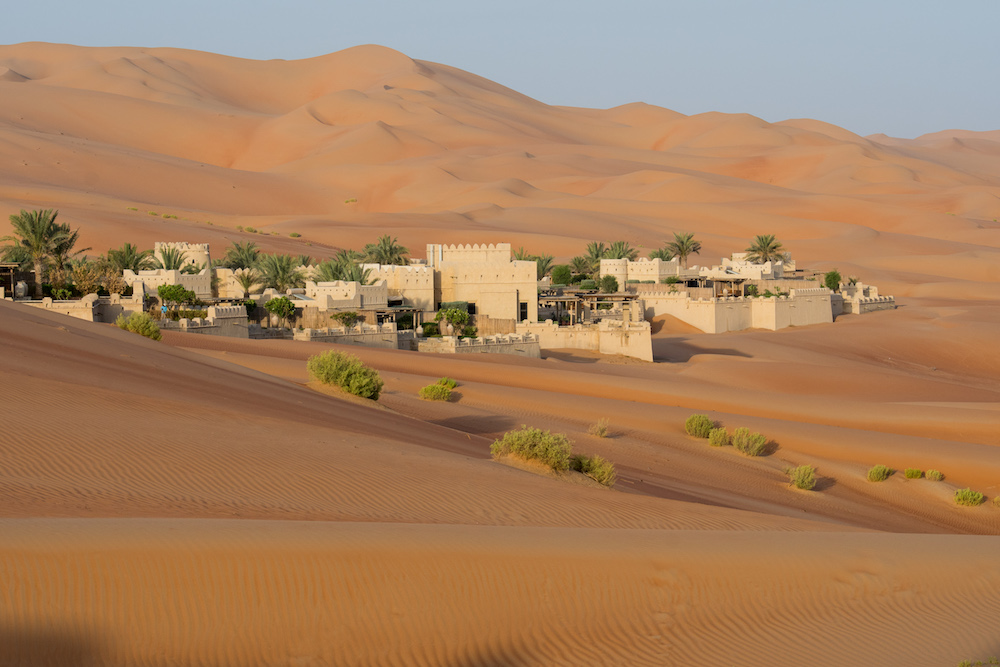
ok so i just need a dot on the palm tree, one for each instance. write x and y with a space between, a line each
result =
595 253
64 249
385 251
38 237
247 278
661 253
579 264
280 272
193 269
171 259
130 257
684 245
521 255
765 248
328 271
543 264
354 273
241 255
304 260
622 250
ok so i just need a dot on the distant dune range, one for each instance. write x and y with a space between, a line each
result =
194 501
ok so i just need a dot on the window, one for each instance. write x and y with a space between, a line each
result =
522 311
472 308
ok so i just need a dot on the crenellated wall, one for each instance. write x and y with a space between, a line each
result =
414 283
200 284
347 294
438 253
643 269
522 345
720 315
194 253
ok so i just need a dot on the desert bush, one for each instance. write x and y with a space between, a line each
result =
718 437
347 372
435 392
913 473
969 497
348 319
140 323
802 477
251 230
595 467
447 382
980 663
599 428
934 475
534 444
879 473
750 444
699 426
295 235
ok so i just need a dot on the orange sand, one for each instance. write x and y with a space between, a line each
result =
194 502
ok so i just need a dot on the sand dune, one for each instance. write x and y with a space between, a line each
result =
197 501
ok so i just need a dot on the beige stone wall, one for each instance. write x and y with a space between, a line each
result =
194 253
414 283
522 345
631 339
438 254
643 269
495 288
200 284
345 294
800 308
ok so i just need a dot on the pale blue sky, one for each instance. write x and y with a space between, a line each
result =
900 67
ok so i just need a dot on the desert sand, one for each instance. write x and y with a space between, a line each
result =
198 501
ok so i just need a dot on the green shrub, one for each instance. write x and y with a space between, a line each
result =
534 444
879 473
979 663
295 235
750 444
750 290
561 275
969 497
595 467
599 428
352 200
140 323
588 284
250 230
131 208
832 280
718 437
431 329
348 319
347 372
934 475
435 392
802 477
447 382
189 314
609 284
699 426
469 331
913 473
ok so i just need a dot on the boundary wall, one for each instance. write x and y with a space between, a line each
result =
522 345
631 339
721 315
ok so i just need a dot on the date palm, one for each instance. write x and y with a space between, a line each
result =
661 253
522 255
765 248
65 249
621 250
241 255
385 251
543 264
38 237
684 246
596 251
247 278
280 272
579 264
171 259
130 257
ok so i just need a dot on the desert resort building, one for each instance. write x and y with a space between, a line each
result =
512 311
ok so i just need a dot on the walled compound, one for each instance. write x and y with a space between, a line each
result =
719 299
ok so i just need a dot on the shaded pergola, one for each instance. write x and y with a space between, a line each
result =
573 303
8 277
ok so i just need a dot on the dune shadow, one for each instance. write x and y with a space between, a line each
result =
824 483
568 357
49 646
678 350
478 425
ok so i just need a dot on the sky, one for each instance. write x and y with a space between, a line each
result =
903 68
